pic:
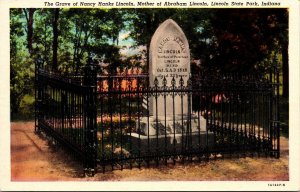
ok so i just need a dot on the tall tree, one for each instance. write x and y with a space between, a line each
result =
29 14
85 36
21 67
285 70
243 38
55 38
116 23
279 20
43 35
98 37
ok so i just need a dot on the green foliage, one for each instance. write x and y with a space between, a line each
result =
76 41
21 64
222 39
21 82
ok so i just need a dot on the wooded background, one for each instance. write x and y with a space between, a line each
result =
224 40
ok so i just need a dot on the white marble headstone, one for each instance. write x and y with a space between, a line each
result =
169 57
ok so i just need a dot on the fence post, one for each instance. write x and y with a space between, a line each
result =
274 110
90 118
276 101
37 94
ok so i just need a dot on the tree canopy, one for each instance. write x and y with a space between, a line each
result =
221 39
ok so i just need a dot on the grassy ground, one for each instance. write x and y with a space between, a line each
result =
26 109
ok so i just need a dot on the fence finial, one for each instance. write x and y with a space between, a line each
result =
173 82
181 82
164 81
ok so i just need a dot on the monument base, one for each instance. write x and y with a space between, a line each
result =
161 125
169 134
170 143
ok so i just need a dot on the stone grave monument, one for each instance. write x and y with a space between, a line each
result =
169 116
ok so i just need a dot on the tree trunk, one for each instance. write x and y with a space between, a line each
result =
148 57
29 13
148 26
55 39
285 71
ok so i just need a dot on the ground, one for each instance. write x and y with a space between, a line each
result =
33 159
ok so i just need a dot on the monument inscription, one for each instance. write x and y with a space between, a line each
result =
169 54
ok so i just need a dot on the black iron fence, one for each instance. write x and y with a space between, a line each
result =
116 122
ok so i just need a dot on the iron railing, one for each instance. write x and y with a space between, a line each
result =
115 122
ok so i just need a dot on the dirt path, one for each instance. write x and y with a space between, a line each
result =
32 159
